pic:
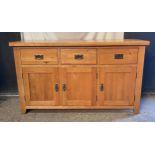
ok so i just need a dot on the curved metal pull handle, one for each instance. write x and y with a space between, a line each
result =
64 87
39 57
78 56
56 87
101 87
119 56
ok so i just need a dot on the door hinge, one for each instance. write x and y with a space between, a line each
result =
96 98
24 98
96 75
136 75
134 98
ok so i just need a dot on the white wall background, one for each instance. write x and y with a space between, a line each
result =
36 36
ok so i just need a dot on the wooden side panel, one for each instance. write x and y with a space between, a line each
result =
20 79
80 86
138 88
118 85
40 86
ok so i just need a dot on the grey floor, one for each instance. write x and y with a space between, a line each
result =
10 112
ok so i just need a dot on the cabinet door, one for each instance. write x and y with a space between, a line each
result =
41 86
116 86
78 86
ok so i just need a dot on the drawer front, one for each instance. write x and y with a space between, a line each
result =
78 56
117 56
39 56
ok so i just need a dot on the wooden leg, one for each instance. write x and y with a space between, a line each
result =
23 109
136 110
137 106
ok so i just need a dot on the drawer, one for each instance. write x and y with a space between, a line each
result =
39 56
78 56
117 56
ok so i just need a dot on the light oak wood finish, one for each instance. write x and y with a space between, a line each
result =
80 74
32 56
80 107
116 85
78 56
78 86
40 86
141 55
117 56
20 79
78 43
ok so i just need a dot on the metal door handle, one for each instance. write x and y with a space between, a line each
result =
56 87
64 87
101 87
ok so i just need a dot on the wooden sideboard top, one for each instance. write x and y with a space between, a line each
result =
81 43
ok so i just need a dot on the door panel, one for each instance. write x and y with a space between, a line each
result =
40 86
116 85
80 86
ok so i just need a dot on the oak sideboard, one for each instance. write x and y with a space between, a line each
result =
79 74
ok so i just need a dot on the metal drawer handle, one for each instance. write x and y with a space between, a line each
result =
101 87
39 57
119 56
78 56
